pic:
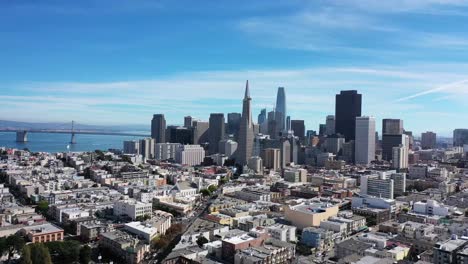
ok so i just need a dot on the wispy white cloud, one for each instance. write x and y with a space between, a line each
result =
459 88
310 94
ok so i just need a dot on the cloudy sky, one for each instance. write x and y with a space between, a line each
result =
120 61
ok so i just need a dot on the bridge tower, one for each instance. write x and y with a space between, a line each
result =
22 136
73 139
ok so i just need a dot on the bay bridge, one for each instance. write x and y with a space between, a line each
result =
22 134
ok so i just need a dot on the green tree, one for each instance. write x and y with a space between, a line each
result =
3 246
201 240
42 207
205 192
85 254
40 254
212 188
15 244
26 256
64 251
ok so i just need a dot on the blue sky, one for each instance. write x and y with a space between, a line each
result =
118 62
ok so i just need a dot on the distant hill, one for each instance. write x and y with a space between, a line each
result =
5 124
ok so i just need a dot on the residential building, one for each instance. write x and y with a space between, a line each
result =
132 208
190 155
309 214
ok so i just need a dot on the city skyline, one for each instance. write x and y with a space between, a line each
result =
401 57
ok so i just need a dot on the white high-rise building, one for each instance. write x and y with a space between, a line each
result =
255 163
166 151
400 157
147 148
190 155
365 140
228 147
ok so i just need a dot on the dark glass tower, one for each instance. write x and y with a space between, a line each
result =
158 128
233 123
216 131
347 108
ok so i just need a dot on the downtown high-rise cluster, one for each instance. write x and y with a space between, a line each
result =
276 139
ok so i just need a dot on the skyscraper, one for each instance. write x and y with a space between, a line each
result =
158 128
281 108
233 123
246 133
216 131
365 140
392 136
188 121
200 132
299 128
428 140
273 126
288 123
262 117
347 108
330 125
460 137
392 126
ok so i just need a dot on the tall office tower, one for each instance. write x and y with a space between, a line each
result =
262 117
233 123
281 108
188 121
428 140
460 137
178 134
190 155
147 148
330 125
365 140
228 147
392 136
273 127
347 108
348 150
246 131
334 143
216 131
391 141
272 158
166 151
392 126
298 127
200 132
288 123
322 129
158 128
255 163
410 137
131 147
400 157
